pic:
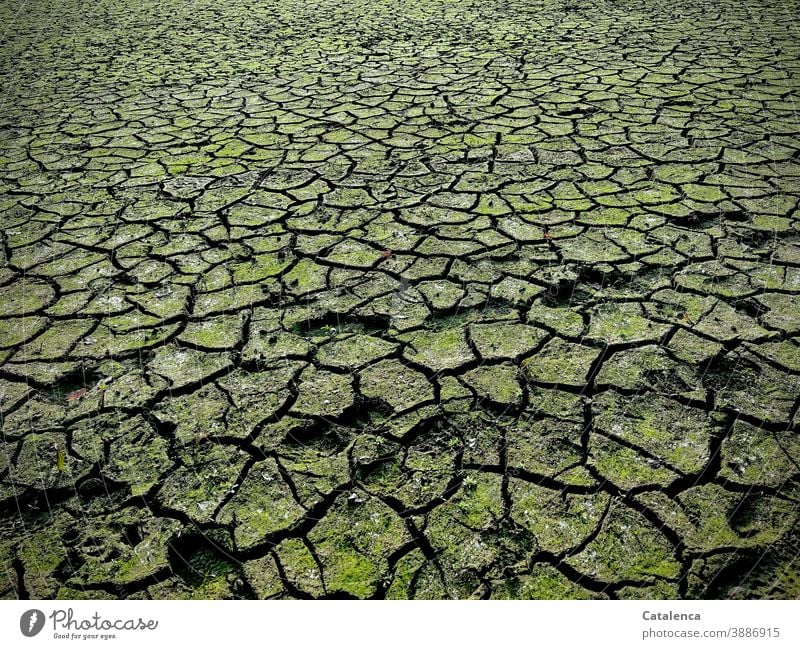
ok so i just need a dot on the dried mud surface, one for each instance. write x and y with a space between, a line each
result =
398 299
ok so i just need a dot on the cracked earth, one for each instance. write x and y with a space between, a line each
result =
399 299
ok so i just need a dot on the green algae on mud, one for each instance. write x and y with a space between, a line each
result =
399 300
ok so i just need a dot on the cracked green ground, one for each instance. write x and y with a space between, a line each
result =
398 299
